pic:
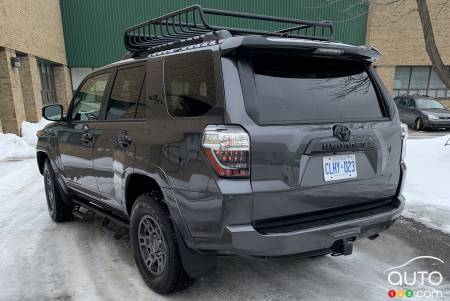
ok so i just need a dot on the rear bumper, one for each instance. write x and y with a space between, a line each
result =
246 240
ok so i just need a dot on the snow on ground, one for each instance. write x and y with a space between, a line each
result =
427 187
13 147
29 130
42 260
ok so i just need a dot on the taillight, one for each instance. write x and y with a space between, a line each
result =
228 150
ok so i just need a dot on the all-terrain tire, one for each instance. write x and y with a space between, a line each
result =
58 210
148 213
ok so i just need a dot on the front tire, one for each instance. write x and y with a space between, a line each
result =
419 124
58 210
155 247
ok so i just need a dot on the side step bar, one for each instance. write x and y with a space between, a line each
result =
102 212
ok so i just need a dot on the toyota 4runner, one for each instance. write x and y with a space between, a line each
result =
208 140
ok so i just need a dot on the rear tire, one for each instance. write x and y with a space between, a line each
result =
58 210
155 247
418 124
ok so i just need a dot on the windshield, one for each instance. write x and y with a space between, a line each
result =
296 89
428 104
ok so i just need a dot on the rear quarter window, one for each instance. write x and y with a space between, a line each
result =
190 84
296 89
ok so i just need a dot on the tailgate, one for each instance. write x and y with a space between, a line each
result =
322 138
288 172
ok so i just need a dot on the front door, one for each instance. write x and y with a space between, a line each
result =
115 138
76 139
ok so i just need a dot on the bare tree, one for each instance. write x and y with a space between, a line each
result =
430 44
437 63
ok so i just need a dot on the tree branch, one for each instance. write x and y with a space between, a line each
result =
430 44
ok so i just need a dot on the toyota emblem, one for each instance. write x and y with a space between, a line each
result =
341 132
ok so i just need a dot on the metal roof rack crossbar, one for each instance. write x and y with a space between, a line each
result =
189 26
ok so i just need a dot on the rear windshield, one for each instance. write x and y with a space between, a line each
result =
295 89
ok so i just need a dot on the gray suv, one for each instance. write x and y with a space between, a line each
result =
208 140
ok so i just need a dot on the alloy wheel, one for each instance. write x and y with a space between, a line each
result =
51 197
152 245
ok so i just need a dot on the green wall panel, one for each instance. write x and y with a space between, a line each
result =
93 28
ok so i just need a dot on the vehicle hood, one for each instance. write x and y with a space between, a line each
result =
437 112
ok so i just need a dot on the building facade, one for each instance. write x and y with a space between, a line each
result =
93 31
48 46
394 28
33 65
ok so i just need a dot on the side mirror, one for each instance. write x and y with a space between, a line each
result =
53 112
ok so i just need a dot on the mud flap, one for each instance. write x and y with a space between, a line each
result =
194 263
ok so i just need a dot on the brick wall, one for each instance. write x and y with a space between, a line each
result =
33 26
33 30
12 111
31 88
63 85
396 31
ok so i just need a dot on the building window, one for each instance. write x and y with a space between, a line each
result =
421 80
48 89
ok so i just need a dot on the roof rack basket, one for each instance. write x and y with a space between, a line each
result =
189 26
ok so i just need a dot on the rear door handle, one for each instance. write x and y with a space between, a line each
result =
124 140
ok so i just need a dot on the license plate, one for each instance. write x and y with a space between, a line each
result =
339 167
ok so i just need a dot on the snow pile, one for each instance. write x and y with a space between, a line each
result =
13 147
427 188
29 130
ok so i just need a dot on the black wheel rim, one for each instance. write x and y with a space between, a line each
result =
152 245
51 197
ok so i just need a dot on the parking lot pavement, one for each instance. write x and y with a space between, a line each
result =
413 134
41 260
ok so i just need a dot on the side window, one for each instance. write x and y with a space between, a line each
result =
404 102
189 83
411 103
88 101
125 93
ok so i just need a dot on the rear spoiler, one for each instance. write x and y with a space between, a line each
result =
319 48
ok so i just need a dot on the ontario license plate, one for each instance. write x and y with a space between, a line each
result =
339 167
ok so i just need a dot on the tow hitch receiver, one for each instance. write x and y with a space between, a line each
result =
342 247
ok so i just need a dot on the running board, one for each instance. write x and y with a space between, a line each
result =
102 212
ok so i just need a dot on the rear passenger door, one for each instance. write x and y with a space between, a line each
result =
116 136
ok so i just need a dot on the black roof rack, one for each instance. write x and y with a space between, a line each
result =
189 26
